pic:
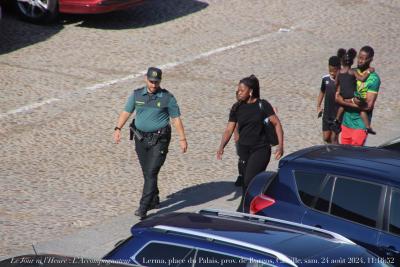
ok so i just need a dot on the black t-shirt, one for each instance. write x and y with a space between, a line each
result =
328 87
249 118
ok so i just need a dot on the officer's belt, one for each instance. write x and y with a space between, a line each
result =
161 131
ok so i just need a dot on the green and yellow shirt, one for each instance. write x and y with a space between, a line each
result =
352 118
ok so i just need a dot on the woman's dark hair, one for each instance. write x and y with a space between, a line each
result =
252 83
340 53
347 57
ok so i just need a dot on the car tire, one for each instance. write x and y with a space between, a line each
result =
37 11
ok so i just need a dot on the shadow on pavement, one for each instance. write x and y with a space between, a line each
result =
16 34
150 13
199 194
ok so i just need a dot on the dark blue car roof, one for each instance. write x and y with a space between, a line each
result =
289 241
383 161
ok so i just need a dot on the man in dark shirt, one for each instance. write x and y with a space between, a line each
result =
328 92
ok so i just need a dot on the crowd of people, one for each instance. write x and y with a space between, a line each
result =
349 97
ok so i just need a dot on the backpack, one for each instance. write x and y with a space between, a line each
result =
269 128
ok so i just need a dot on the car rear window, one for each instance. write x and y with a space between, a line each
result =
309 185
357 201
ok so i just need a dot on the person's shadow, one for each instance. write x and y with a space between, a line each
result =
198 194
147 14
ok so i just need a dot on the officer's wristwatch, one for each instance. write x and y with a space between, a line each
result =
117 128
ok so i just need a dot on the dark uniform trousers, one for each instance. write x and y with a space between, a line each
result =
152 154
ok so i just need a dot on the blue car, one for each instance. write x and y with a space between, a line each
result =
218 238
354 191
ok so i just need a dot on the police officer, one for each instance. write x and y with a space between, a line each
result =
152 132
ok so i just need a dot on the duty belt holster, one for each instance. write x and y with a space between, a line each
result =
153 137
150 137
134 132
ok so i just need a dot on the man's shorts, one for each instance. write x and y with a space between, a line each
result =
327 123
354 137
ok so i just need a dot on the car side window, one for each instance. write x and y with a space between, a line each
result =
308 185
394 222
357 201
324 198
161 254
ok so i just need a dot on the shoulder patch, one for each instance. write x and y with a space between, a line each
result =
138 89
165 91
168 94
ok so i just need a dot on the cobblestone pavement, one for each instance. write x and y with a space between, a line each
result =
63 85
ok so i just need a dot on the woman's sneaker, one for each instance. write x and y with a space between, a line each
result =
155 203
239 181
141 213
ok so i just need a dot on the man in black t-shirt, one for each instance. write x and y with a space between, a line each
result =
328 91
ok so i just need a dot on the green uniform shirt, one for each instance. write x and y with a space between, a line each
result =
152 110
352 118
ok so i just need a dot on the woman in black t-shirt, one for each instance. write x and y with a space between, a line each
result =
250 113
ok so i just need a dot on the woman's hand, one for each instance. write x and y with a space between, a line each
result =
230 127
220 152
278 152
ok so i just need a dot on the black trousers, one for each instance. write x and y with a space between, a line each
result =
151 157
241 163
256 159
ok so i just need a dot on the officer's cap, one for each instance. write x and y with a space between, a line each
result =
154 74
